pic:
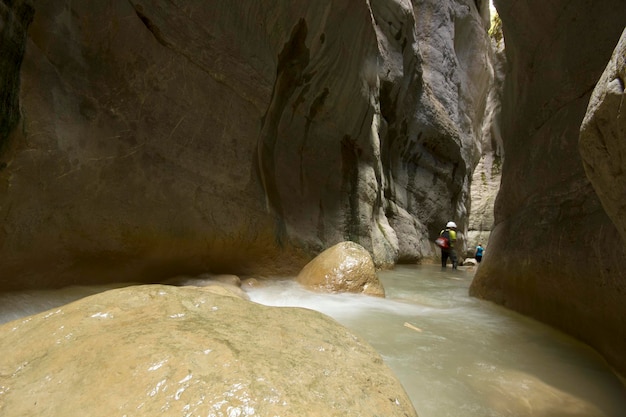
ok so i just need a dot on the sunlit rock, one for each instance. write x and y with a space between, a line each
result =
603 138
345 267
172 351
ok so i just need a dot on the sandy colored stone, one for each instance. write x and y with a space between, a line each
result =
176 351
344 267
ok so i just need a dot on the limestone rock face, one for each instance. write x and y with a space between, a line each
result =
434 82
345 267
603 138
488 172
547 256
162 350
174 138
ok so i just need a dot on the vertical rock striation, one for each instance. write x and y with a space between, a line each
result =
548 255
603 138
15 17
434 81
487 174
172 137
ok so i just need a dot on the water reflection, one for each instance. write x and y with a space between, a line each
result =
459 356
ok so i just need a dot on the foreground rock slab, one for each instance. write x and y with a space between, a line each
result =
179 351
344 267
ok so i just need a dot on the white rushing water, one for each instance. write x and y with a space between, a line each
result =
458 356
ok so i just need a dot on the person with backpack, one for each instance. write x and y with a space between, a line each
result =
446 240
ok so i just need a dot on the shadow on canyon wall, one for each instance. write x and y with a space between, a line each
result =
554 253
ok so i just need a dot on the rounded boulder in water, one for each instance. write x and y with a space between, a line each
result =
345 267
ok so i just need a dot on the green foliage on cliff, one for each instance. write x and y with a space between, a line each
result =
495 31
496 167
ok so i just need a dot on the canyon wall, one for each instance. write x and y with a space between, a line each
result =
603 138
554 254
488 171
146 139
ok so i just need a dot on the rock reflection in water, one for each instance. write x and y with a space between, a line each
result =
459 356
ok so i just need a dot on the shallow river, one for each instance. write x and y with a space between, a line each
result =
456 356
462 357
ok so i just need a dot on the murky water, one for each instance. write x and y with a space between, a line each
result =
461 357
456 356
14 305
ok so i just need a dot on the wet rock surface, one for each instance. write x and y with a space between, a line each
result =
164 350
344 267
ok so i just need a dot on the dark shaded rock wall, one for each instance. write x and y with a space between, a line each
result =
15 17
160 138
554 254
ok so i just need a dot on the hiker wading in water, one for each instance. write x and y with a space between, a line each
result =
448 252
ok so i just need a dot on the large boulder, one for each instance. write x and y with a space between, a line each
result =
163 138
164 350
603 138
345 267
548 255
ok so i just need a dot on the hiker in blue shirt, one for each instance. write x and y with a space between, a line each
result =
479 253
448 252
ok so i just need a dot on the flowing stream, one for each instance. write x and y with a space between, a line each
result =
456 356
462 357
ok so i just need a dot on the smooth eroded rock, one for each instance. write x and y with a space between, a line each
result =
170 351
603 138
345 267
149 140
554 254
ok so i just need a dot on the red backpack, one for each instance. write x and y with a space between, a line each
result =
443 241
